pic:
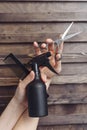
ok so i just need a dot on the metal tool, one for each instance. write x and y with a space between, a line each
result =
65 36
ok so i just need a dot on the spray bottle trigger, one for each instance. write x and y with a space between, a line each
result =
50 67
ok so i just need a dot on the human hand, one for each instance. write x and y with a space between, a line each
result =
46 74
55 59
20 94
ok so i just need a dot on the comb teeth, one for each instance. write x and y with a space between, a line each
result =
16 66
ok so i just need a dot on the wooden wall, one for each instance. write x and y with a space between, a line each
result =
25 21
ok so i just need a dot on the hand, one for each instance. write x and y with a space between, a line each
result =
46 74
20 94
54 59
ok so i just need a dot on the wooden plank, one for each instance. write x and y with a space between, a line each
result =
67 69
70 79
67 89
59 110
5 99
2 107
67 109
67 58
26 29
7 91
44 17
30 7
58 99
71 50
63 127
75 48
9 81
56 80
73 58
30 32
15 38
39 37
17 49
74 69
67 99
68 94
42 0
64 120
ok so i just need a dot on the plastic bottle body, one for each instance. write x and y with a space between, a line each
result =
37 96
37 99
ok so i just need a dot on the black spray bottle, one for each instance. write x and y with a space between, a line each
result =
37 96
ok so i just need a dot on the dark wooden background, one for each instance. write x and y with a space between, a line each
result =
25 21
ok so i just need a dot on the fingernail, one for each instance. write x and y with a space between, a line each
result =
36 44
49 40
43 45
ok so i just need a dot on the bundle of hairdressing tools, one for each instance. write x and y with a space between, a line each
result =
36 90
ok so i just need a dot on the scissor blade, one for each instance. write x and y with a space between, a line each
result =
67 30
58 41
72 35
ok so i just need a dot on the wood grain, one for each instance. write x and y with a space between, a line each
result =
67 109
70 79
21 33
80 98
32 7
16 49
9 81
67 70
63 127
67 58
44 17
25 21
42 0
64 120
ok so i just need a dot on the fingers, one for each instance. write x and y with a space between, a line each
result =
55 59
44 77
44 47
58 57
50 45
27 80
58 63
37 48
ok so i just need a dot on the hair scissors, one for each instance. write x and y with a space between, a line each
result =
65 36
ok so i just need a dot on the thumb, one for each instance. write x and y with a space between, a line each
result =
28 79
43 77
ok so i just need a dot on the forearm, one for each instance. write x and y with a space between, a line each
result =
26 123
11 114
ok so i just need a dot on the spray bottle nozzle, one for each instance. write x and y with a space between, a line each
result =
42 60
